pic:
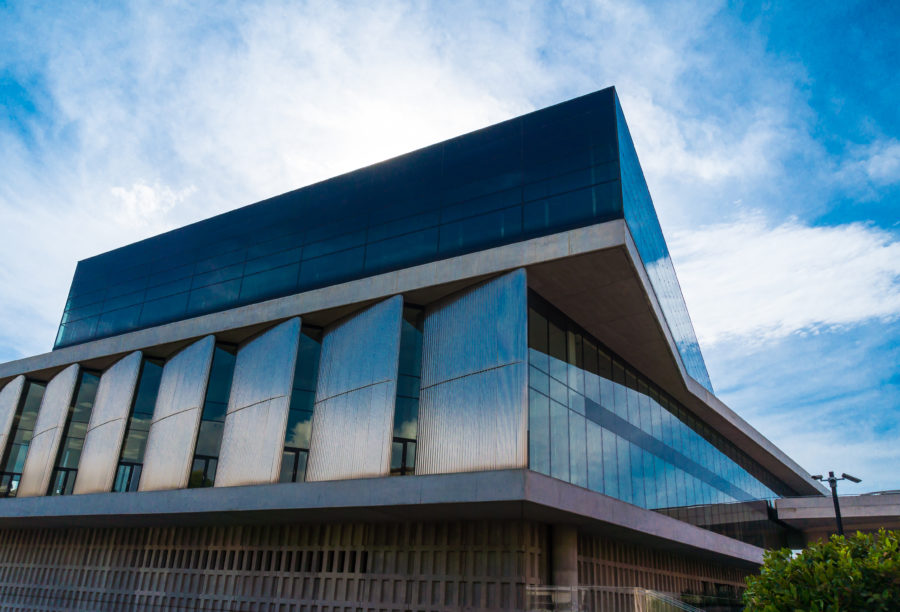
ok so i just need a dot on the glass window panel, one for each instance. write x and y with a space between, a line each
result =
217 276
662 491
592 387
494 201
403 226
610 464
270 283
408 250
589 354
538 432
620 401
165 309
481 230
560 211
559 392
651 485
209 298
335 244
595 456
537 331
637 475
559 441
578 450
212 423
172 288
672 489
623 454
557 341
74 430
576 402
331 268
118 320
538 380
209 438
270 262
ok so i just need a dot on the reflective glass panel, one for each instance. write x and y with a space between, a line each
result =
212 417
20 437
300 412
62 481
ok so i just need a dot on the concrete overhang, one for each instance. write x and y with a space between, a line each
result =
594 274
505 494
814 516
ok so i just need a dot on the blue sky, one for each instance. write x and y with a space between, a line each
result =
769 135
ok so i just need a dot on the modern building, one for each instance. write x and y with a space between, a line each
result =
441 382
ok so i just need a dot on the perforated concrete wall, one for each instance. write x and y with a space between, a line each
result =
606 562
326 567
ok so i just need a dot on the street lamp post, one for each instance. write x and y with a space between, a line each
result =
833 480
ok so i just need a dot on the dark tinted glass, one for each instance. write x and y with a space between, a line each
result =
542 173
300 413
641 218
19 439
212 418
406 407
62 480
131 459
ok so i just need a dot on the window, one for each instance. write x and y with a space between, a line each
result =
212 418
131 459
303 397
20 437
66 467
406 406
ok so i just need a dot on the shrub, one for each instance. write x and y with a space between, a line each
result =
860 572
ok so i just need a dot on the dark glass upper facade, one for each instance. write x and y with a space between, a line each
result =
542 173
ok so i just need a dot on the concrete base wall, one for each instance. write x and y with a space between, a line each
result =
438 566
471 565
605 562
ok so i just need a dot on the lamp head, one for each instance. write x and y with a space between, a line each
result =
851 478
817 477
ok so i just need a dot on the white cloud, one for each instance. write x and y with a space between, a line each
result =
144 204
758 281
876 164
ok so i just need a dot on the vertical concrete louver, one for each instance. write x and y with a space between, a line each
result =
10 396
48 431
258 406
176 418
473 410
109 418
354 410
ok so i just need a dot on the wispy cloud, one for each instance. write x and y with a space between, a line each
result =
870 166
757 280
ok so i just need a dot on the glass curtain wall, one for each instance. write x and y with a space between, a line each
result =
66 467
131 460
20 437
303 398
212 418
406 407
596 422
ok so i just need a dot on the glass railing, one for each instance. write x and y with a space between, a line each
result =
602 599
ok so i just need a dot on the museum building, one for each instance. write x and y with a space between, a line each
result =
441 382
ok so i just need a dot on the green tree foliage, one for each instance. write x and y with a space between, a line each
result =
860 572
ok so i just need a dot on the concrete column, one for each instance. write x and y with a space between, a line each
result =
564 555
